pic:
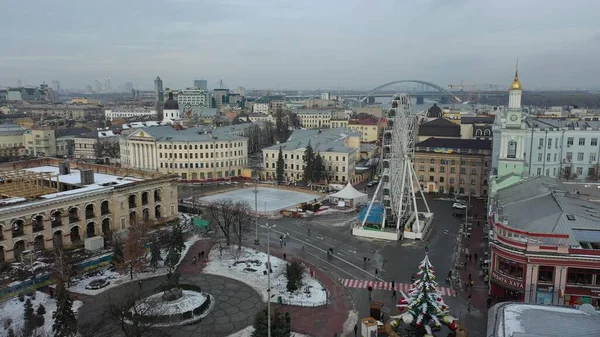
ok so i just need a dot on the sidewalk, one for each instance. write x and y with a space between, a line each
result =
476 245
186 267
318 321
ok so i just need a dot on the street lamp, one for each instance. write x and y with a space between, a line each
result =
269 276
256 207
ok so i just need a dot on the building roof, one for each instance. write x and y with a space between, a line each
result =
529 320
463 144
69 132
326 140
439 127
11 129
314 112
364 121
477 119
545 123
434 111
169 134
543 204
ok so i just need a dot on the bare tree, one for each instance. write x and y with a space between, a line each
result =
242 221
107 149
221 214
594 173
134 249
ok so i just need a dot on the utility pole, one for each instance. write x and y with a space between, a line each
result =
269 279
256 208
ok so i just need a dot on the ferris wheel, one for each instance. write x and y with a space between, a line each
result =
399 185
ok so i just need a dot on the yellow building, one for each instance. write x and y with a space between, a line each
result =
49 203
370 128
454 166
314 119
84 100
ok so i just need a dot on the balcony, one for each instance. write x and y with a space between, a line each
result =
89 214
17 232
37 227
56 223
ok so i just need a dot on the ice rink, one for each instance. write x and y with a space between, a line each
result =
269 199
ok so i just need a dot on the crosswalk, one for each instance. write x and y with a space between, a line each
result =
384 285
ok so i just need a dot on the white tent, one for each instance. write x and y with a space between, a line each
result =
350 195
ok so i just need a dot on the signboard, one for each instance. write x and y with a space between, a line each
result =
508 281
200 222
442 150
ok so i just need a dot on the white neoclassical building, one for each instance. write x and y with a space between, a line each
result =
193 154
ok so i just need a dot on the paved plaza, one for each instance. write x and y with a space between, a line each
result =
269 199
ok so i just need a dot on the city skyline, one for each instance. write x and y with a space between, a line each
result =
303 45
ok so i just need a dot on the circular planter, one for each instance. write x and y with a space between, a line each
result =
97 284
193 306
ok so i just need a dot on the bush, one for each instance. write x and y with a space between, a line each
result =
41 310
38 320
294 272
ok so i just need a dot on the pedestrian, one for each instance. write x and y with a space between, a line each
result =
393 285
140 283
449 278
376 272
476 257
394 294
472 283
284 256
365 262
194 261
202 254
355 330
281 242
469 276
466 256
465 265
489 301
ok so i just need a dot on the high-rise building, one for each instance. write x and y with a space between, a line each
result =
98 86
201 84
192 99
159 97
56 86
128 87
108 85
89 89
221 97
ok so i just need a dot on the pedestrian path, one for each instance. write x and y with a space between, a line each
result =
383 285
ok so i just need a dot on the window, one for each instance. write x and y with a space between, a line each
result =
594 142
592 157
431 178
541 142
421 160
432 161
441 179
547 172
581 141
463 162
579 171
569 141
539 171
510 268
579 156
463 170
581 276
431 168
569 156
512 149
421 167
549 142
473 182
421 178
473 171
546 274
453 170
548 157
453 162
442 169
555 157
451 180
462 181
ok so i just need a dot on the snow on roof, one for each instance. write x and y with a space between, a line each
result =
348 192
520 320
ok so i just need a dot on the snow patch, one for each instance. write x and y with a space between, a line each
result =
116 278
155 306
14 309
247 332
350 322
250 270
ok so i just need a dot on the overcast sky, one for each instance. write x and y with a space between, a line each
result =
301 44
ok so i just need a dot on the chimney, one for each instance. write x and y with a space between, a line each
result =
87 177
63 168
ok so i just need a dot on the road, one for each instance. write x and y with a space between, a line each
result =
394 261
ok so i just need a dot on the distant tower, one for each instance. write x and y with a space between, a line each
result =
108 85
98 86
56 86
128 87
201 84
19 83
159 97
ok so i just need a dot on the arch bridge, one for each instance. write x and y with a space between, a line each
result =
429 84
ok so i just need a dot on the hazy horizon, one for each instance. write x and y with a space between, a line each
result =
269 44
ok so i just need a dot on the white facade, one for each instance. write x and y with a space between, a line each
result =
315 119
261 108
127 113
192 97
171 116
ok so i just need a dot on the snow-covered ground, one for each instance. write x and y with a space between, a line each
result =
154 305
116 278
247 332
14 309
250 270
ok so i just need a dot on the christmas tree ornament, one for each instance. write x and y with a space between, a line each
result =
407 318
394 323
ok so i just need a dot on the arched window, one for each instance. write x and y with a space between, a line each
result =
180 147
196 147
512 149
159 147
478 132
185 147
487 132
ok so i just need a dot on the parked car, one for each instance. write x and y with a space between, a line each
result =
459 213
458 205
371 183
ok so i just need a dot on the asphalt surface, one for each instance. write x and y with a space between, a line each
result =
394 261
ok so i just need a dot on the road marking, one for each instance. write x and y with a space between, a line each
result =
384 285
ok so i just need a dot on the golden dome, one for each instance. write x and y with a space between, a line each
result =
516 84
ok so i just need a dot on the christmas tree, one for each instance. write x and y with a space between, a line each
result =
424 306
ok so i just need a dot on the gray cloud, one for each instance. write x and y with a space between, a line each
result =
300 44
